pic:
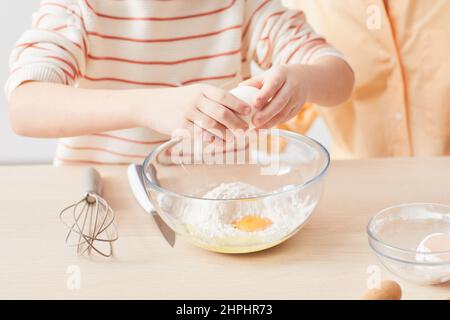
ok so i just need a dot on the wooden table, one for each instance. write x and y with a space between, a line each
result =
328 259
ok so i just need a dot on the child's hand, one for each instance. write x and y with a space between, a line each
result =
284 90
213 109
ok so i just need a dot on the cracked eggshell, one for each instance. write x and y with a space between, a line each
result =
434 243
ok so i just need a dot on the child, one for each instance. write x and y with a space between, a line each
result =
115 78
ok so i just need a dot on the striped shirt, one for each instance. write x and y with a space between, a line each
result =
124 44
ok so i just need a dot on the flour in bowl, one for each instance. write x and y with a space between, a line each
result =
249 221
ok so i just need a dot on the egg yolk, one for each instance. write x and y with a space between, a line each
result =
252 223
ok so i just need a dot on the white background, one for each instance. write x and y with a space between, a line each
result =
15 17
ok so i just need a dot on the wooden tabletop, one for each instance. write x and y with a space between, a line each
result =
328 259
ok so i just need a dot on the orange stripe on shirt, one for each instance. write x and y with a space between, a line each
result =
159 40
296 38
24 44
227 76
68 9
106 135
196 15
161 62
28 46
92 162
161 84
266 21
135 82
247 27
302 45
39 20
87 148
68 63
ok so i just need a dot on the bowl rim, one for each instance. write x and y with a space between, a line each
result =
410 262
280 132
403 205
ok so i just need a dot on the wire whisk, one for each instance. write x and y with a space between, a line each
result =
91 220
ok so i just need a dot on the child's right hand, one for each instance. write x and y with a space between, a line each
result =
212 109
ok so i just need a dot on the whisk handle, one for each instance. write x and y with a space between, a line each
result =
92 181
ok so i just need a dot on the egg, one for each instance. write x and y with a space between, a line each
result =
388 290
252 223
248 95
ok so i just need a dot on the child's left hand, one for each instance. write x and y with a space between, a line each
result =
284 90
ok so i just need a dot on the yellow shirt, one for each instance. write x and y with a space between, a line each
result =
399 50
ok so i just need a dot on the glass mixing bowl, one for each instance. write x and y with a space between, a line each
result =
288 169
395 234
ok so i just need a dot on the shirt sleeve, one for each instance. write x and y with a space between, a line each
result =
275 35
54 49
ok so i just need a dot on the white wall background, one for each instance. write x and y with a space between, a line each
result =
14 149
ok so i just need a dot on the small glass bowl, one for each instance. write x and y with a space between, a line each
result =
395 234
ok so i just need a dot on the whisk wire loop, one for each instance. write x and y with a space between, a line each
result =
90 222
